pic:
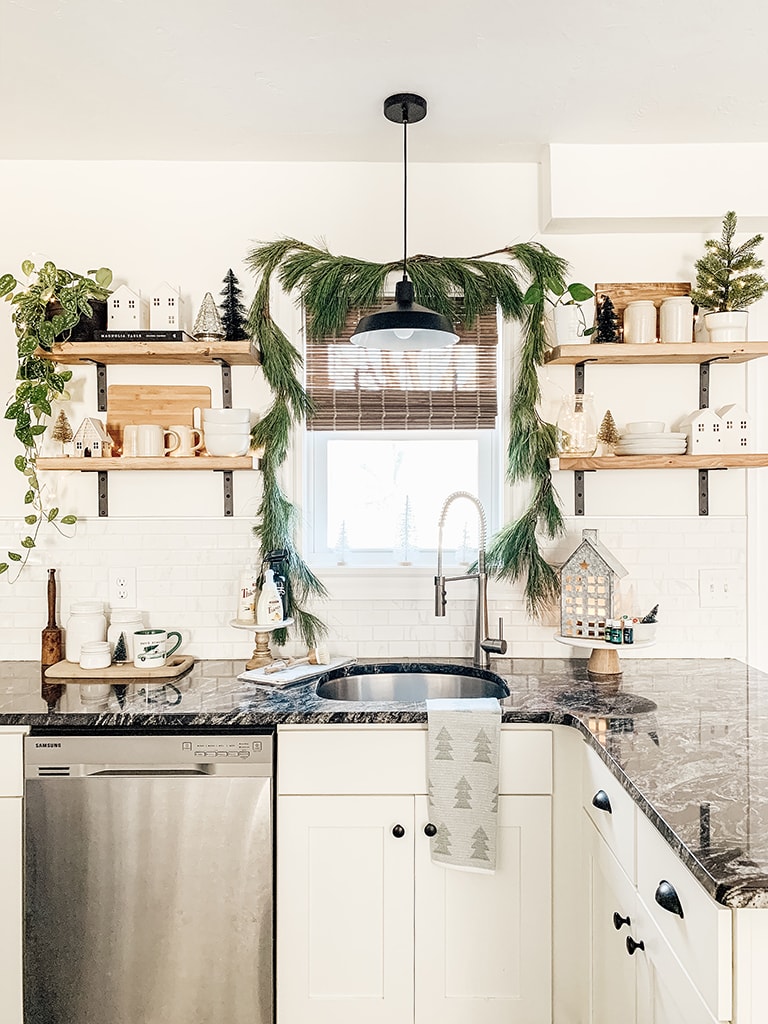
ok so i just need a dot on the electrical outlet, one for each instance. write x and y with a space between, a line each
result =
122 588
718 588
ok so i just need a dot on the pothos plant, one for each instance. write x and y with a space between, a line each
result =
329 287
556 293
45 310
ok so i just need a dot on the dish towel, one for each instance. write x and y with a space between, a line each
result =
463 781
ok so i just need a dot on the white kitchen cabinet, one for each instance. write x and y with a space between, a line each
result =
368 928
11 902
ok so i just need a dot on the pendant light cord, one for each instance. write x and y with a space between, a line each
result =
405 190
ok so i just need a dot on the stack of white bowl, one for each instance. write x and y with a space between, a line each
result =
226 431
648 437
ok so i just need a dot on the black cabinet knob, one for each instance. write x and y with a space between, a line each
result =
632 945
619 921
601 802
667 898
398 831
430 829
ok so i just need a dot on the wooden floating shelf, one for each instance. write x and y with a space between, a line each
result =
582 462
657 353
236 353
103 465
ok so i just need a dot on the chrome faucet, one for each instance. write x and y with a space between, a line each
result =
483 643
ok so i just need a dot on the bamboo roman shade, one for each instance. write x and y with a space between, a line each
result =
363 389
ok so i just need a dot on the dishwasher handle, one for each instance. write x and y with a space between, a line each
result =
145 772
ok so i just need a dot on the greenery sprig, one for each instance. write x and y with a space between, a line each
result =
330 287
45 310
726 276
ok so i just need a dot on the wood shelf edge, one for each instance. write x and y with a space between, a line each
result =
204 463
574 462
236 353
693 353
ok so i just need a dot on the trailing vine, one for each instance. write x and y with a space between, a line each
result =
45 310
329 287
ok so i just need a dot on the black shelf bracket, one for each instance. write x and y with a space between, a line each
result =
578 492
226 383
229 504
103 489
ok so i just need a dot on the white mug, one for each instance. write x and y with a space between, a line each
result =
150 440
190 440
150 647
130 440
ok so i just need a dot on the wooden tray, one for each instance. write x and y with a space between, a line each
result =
69 672
150 403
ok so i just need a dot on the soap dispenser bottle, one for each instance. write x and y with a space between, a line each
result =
270 607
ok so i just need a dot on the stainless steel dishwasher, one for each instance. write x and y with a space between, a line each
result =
149 895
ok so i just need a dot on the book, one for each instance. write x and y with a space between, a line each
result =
142 336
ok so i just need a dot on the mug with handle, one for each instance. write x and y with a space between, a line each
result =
190 440
151 647
151 440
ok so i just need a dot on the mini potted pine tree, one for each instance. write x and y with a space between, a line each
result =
727 281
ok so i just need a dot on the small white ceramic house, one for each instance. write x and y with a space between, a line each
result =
165 308
587 587
704 431
736 429
91 439
125 310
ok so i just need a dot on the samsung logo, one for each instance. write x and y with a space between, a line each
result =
38 745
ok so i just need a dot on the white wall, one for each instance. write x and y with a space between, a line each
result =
188 223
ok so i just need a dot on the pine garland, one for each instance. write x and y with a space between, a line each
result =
329 287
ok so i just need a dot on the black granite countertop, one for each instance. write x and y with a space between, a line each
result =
688 739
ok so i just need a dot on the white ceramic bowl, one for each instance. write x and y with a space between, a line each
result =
646 427
226 416
209 429
227 444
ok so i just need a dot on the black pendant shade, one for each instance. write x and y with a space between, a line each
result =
404 326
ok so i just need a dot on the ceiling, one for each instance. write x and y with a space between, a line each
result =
305 79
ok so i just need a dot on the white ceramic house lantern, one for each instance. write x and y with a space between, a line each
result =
736 429
91 439
587 588
165 308
125 310
704 431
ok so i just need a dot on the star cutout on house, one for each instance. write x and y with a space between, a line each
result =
584 565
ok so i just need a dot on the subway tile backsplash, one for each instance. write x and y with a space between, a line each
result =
187 572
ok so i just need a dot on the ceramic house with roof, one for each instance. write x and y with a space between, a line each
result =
736 429
165 308
125 310
587 588
91 439
704 432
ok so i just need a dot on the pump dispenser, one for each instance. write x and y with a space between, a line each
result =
270 607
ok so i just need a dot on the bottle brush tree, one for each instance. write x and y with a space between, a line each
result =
606 322
608 433
727 276
234 315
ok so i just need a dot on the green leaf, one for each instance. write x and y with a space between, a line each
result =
103 276
580 292
29 497
27 267
30 520
3 567
69 520
39 428
533 295
45 332
20 462
52 513
7 284
14 557
28 543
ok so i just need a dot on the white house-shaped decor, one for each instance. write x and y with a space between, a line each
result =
704 432
125 310
91 439
165 308
736 429
587 586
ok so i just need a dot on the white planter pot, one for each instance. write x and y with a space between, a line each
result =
727 327
569 329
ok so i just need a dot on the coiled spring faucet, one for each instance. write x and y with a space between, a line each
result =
484 644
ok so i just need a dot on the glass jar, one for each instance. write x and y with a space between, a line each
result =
86 623
640 323
577 426
95 654
676 320
125 621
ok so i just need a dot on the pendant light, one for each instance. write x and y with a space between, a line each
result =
404 326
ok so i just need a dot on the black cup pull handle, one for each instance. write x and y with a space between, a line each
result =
667 898
632 945
619 921
601 802
430 829
398 831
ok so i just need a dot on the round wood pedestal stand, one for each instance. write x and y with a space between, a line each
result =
603 666
262 655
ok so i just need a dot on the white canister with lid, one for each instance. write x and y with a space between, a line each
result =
676 320
95 654
86 623
125 621
640 323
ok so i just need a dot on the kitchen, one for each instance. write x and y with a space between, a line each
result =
151 214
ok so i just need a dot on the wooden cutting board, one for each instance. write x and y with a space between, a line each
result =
70 672
150 403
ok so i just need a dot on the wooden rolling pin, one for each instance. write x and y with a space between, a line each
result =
51 647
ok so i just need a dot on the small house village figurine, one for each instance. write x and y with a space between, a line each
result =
128 311
91 439
736 429
725 432
165 308
587 588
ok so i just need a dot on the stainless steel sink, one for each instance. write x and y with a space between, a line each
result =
409 686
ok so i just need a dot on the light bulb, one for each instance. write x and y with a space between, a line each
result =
404 334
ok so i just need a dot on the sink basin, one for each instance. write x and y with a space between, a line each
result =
409 686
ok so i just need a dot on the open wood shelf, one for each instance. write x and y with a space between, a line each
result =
104 465
235 353
696 352
583 462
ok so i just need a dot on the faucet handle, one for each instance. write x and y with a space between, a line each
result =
496 645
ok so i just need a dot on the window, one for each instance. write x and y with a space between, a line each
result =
394 433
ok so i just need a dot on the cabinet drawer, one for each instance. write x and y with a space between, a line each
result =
701 938
611 809
377 760
11 763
